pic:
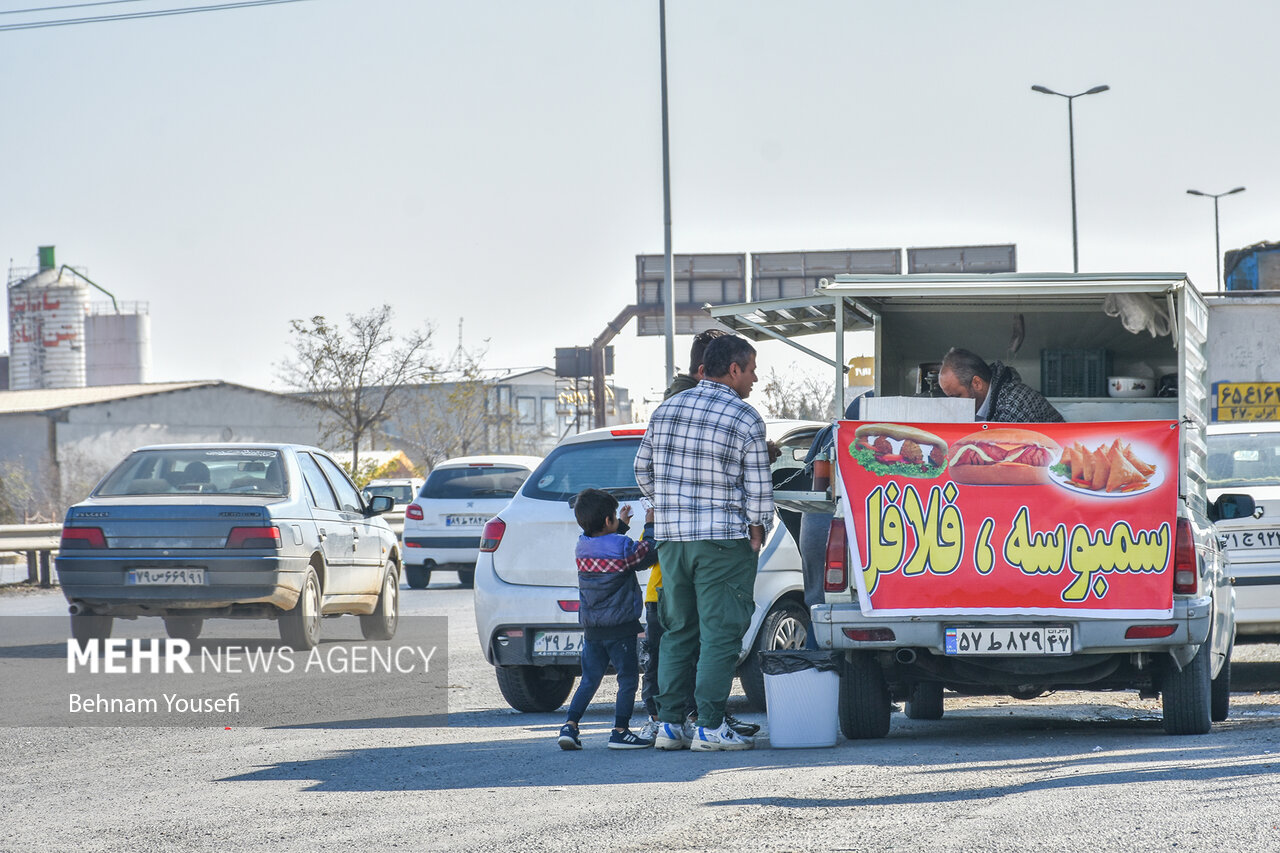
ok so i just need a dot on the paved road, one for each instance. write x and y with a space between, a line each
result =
1071 771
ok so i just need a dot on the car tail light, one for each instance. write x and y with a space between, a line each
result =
254 537
836 576
82 537
622 432
870 635
413 511
1186 569
491 538
480 465
1149 632
570 606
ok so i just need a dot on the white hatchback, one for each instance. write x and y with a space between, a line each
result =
526 581
442 525
1245 458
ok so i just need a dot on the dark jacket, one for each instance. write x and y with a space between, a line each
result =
610 601
682 382
1013 401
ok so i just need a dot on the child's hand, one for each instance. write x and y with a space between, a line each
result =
648 516
624 514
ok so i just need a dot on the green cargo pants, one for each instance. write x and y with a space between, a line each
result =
706 606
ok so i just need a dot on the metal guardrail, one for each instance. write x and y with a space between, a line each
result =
39 541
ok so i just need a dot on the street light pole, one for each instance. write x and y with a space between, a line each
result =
1071 143
668 279
1217 238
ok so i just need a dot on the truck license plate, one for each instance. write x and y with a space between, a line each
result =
165 577
1008 640
557 643
1239 539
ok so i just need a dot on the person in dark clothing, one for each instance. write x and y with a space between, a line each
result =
609 611
996 389
685 381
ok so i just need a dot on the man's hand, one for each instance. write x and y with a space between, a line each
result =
624 514
774 451
648 516
756 532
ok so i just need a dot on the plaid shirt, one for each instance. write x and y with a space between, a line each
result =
704 464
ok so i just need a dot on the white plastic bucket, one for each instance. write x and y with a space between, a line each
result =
803 708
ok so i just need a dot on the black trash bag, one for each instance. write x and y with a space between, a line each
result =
797 660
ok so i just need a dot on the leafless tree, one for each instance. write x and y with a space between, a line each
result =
802 394
353 374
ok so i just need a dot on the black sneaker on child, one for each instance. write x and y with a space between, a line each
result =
739 727
569 737
627 739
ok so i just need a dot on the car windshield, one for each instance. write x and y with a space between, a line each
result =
1244 459
203 470
474 481
607 465
400 494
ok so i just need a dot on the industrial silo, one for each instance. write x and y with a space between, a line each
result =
117 344
46 328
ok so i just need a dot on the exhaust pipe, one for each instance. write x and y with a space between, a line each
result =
905 656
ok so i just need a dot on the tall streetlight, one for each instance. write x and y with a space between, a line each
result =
1071 137
1217 240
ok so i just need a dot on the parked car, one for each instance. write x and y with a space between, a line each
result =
243 531
401 490
442 526
1245 458
526 582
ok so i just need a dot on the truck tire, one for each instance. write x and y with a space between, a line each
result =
1220 693
417 576
300 627
88 626
534 689
183 627
1185 696
924 701
864 699
381 623
785 626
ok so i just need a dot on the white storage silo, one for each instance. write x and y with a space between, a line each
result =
46 331
118 346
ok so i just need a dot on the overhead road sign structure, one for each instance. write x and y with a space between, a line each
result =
779 275
962 259
698 280
576 361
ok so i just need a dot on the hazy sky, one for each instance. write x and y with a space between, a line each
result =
499 161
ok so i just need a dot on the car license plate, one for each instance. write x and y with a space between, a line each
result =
557 643
466 520
1008 640
165 577
1240 539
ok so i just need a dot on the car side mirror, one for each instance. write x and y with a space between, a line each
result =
379 504
1231 505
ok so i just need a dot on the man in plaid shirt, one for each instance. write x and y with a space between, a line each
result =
704 464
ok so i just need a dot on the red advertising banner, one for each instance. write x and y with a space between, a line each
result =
1042 519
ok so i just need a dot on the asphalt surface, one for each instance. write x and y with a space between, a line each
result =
1071 771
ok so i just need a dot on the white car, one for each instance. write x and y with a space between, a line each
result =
401 490
442 526
1245 458
526 581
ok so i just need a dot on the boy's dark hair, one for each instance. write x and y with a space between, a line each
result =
699 347
964 365
724 351
592 508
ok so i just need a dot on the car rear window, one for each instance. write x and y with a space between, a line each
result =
247 471
1244 459
479 481
607 465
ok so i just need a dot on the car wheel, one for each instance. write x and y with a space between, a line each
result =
300 627
785 626
864 699
1185 696
467 577
534 689
381 623
924 701
183 627
88 626
417 576
1220 693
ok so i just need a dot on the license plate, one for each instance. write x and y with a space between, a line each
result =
1240 539
1008 640
165 577
466 520
557 643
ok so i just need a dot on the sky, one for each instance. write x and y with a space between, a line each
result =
496 165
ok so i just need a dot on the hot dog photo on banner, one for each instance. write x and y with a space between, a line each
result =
1037 519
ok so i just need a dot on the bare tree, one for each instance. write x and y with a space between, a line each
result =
353 375
805 395
18 496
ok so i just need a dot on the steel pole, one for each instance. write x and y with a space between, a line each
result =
668 281
1071 146
1217 243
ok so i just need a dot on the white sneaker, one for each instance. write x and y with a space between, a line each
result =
649 730
690 728
670 736
723 738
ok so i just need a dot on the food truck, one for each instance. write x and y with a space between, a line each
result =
1019 559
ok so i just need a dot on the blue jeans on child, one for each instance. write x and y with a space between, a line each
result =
596 657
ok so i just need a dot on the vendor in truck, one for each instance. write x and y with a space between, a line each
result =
996 389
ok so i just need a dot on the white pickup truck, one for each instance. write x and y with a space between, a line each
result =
937 582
